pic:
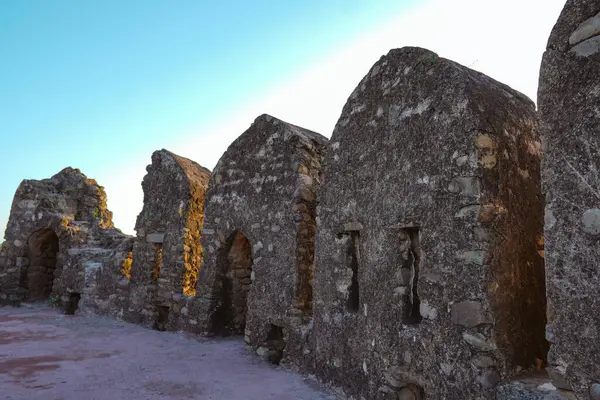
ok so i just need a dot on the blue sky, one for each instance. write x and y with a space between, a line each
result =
91 84
99 85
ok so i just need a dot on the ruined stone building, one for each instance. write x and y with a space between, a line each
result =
426 258
58 235
258 238
409 257
569 105
166 255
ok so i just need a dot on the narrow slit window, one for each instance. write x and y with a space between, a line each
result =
158 253
73 303
412 263
353 257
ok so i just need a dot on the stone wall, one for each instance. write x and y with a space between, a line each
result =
401 260
58 234
428 283
569 99
106 289
167 254
260 218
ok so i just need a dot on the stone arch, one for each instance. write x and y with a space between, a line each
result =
232 286
42 250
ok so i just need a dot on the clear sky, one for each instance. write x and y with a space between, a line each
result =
99 85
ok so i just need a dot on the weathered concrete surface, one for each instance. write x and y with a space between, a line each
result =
44 355
58 236
427 272
167 253
258 239
569 105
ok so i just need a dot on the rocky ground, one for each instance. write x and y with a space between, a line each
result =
46 355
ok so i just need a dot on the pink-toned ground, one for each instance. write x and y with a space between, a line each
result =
45 355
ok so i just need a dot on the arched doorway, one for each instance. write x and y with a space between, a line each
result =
234 266
42 248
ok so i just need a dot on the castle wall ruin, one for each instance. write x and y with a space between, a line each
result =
428 282
403 259
167 254
58 233
258 238
569 99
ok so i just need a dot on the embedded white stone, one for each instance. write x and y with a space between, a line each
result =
257 247
479 341
460 161
588 47
549 219
547 387
591 222
427 311
588 28
418 110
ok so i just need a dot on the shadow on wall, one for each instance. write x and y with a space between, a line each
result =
42 249
235 268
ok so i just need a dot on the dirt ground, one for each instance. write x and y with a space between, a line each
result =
49 356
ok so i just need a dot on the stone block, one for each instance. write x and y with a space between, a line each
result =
155 237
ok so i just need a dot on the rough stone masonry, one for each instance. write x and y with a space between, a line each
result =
569 106
401 260
167 254
59 234
428 280
258 240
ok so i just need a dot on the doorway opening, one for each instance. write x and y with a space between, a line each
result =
276 344
234 266
73 303
162 318
42 248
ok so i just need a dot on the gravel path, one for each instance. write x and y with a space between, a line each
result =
45 355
